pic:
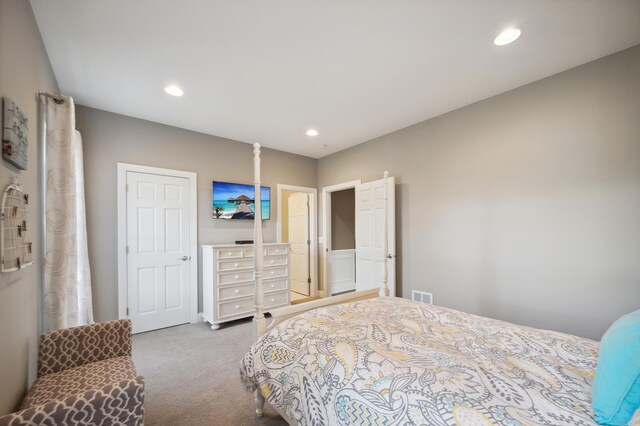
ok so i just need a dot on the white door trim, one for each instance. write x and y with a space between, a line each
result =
313 222
123 168
326 225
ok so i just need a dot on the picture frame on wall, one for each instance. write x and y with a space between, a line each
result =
14 134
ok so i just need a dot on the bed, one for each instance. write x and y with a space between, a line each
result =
394 362
364 358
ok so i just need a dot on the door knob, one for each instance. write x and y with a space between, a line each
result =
184 258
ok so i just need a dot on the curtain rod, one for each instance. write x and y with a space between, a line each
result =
57 97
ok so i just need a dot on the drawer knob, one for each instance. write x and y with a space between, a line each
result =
237 291
237 306
277 251
230 253
272 272
237 277
272 261
273 300
236 265
273 285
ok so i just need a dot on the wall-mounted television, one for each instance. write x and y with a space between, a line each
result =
237 201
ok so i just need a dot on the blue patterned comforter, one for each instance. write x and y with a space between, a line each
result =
391 361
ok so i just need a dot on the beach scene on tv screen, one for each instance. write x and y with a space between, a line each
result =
237 201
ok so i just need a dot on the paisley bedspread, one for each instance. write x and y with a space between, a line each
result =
391 361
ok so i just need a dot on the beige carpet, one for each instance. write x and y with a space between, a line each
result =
192 376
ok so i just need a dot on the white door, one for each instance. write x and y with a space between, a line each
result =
300 244
158 250
369 231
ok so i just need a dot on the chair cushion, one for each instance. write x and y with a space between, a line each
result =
76 346
88 377
616 386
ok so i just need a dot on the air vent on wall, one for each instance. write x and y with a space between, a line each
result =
422 296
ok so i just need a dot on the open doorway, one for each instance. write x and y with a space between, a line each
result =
342 274
339 232
353 253
297 225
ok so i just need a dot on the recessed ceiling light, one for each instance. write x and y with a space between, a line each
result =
312 132
174 90
322 146
507 36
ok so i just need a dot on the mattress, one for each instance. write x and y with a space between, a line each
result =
392 361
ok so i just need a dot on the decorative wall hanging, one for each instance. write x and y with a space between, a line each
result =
16 247
14 135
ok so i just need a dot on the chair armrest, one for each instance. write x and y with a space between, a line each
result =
121 404
76 346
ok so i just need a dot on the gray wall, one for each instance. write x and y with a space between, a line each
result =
343 219
525 206
24 69
111 138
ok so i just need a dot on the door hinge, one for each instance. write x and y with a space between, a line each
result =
127 311
308 242
309 280
126 187
127 249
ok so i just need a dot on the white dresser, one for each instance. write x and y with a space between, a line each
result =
228 283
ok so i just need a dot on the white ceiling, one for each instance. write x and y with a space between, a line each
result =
266 71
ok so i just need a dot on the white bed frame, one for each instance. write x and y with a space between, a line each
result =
281 314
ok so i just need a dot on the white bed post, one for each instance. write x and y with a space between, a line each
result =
258 261
384 291
258 251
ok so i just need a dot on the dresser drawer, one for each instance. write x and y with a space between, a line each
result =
229 253
235 264
276 261
275 299
237 307
275 285
249 252
274 251
238 277
277 272
232 292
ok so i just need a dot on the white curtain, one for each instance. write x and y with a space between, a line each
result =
67 277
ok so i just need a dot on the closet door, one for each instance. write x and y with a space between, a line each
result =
369 235
158 255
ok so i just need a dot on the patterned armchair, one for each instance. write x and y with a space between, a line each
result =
85 377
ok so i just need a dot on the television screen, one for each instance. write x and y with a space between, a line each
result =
236 201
